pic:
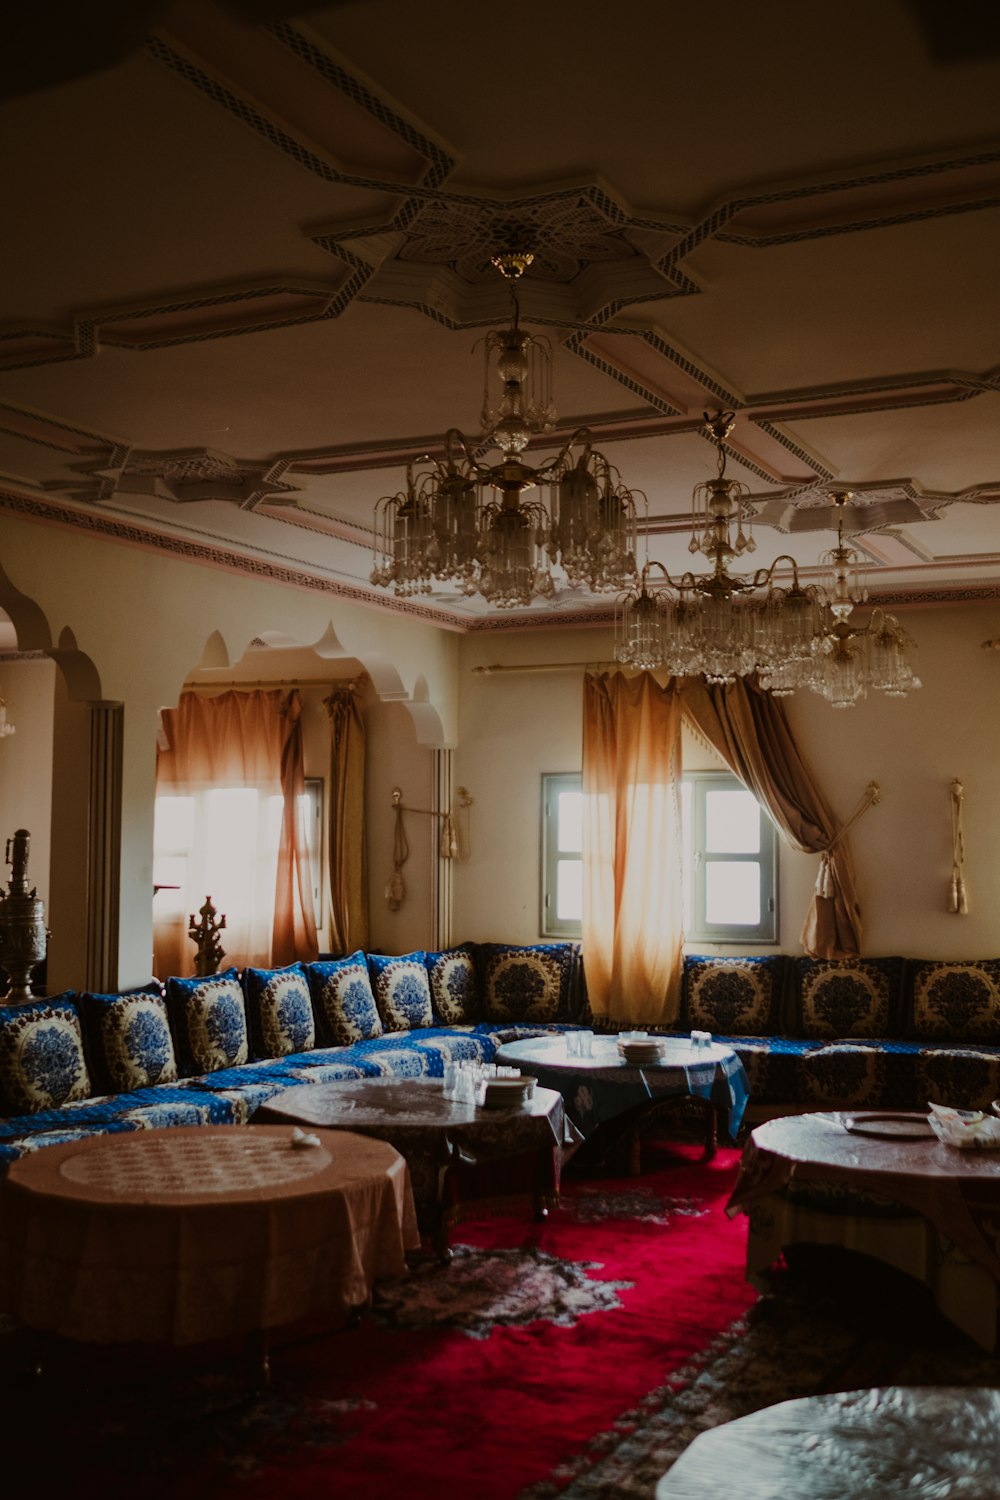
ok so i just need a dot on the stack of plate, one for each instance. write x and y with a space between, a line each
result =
503 1093
640 1050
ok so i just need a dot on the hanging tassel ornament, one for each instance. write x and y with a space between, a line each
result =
958 901
395 891
448 842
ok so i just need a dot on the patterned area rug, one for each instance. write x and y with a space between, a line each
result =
577 1358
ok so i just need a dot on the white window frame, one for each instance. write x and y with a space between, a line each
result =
697 930
313 816
554 782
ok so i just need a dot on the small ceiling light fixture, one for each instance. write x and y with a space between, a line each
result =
721 625
460 522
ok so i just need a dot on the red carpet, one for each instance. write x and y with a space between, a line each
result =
482 1378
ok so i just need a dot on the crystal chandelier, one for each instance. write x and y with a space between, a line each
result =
853 658
463 523
6 727
720 624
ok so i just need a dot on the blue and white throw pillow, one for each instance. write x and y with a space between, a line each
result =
454 985
42 1065
279 1010
343 1001
210 1021
129 1039
402 990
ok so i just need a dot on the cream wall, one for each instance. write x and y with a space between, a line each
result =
914 748
512 728
129 625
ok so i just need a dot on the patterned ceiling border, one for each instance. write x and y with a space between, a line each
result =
96 523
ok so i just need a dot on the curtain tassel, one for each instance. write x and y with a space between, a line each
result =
824 879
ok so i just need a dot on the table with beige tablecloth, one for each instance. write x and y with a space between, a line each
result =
181 1235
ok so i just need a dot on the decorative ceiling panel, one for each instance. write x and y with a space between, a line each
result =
252 252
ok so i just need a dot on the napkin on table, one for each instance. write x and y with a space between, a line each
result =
965 1128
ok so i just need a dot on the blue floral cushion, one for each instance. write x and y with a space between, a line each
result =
279 1010
402 990
532 983
129 1039
454 986
733 996
955 1002
342 996
42 1064
855 997
209 1020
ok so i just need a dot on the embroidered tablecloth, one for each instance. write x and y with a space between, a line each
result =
181 1235
599 1088
893 1443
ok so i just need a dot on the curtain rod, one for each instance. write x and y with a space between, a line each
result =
551 666
276 682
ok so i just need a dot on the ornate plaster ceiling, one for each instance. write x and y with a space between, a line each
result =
248 254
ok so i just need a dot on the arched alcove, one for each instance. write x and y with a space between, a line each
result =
402 732
59 779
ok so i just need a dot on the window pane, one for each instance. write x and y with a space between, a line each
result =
732 893
570 824
687 853
569 890
173 824
732 823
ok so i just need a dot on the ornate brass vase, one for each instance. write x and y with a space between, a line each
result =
23 934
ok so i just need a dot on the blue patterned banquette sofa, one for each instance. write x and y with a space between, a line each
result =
865 1033
212 1050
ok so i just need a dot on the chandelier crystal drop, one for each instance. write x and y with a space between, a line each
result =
462 523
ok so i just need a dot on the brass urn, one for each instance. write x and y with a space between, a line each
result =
23 934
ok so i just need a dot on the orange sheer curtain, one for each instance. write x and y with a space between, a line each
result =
750 731
237 743
294 931
632 916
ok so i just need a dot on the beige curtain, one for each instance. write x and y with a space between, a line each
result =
294 930
749 729
632 917
225 847
348 862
